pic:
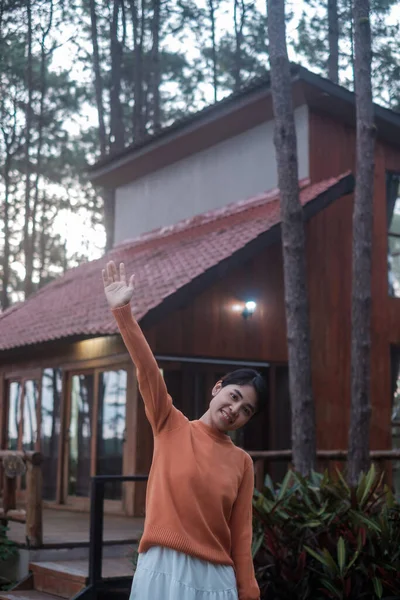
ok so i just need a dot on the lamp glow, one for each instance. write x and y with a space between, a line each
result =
249 308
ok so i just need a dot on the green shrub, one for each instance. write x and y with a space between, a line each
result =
8 549
316 538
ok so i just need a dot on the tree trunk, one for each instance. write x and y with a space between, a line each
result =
42 242
351 19
5 299
293 246
108 196
108 199
211 6
333 37
98 80
362 246
116 116
238 23
155 65
43 90
138 36
28 258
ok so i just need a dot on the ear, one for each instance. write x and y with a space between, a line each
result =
217 387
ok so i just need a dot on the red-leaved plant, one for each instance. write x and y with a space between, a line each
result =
316 538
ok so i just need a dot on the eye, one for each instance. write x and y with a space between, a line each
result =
233 396
247 411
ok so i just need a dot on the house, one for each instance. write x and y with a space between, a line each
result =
197 219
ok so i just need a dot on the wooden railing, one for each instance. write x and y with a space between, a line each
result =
31 515
260 457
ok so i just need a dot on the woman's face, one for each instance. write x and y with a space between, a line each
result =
232 406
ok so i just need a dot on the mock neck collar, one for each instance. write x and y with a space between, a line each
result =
212 432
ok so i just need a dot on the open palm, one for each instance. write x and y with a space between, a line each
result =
118 292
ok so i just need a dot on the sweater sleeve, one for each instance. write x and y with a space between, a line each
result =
158 403
242 533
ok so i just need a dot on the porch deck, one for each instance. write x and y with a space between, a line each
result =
67 528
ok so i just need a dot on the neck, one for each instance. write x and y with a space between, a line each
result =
207 420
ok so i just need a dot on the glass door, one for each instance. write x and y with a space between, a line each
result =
80 434
111 428
96 432
50 429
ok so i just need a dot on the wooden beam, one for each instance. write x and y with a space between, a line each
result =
9 494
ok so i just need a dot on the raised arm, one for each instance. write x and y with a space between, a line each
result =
241 534
158 404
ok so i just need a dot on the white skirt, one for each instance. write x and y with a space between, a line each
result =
164 574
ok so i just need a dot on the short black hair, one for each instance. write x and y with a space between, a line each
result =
249 377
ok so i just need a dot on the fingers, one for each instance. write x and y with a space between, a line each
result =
122 275
111 275
132 282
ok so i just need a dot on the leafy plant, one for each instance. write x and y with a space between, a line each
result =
317 538
8 549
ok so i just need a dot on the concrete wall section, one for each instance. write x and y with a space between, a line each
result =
232 170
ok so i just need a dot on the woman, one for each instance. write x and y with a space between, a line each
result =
196 543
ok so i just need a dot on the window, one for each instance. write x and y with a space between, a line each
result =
395 384
22 415
14 414
22 418
50 429
29 421
393 220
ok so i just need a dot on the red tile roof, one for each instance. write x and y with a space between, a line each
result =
163 261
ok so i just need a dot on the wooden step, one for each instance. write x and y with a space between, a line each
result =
65 578
78 570
27 595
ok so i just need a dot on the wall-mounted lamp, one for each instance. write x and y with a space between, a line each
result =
249 308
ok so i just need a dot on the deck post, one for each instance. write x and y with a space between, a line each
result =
34 490
96 533
9 493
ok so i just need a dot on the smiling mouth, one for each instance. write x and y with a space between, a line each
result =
226 416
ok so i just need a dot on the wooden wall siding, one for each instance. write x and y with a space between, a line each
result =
332 151
208 327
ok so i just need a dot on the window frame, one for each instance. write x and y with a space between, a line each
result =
391 235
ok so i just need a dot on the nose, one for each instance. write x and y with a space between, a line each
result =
234 411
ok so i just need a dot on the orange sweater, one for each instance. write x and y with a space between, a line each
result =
200 487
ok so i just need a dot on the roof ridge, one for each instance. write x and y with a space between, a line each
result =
199 220
202 219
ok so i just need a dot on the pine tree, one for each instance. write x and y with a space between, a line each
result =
321 44
362 249
293 246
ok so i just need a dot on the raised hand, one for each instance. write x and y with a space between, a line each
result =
117 291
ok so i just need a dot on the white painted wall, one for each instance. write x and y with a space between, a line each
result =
233 170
